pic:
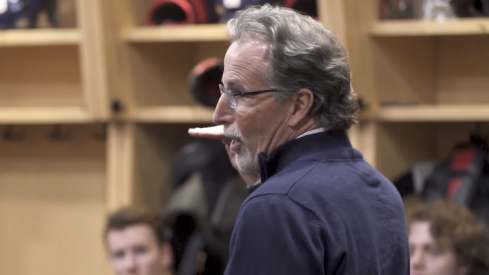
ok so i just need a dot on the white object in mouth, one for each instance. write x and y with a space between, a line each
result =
3 6
232 4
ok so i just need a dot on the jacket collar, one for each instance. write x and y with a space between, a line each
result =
318 146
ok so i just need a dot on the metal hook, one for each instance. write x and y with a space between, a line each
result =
100 135
57 133
117 106
10 134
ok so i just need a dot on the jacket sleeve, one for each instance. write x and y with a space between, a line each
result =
275 235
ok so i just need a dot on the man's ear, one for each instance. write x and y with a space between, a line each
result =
302 104
166 255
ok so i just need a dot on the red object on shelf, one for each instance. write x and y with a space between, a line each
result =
204 80
177 12
308 7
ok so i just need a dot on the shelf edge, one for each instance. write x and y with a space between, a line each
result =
43 115
424 113
40 37
423 28
194 33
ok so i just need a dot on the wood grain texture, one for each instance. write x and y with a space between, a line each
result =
405 70
93 58
463 70
359 17
185 33
40 77
52 203
427 28
401 145
44 115
39 37
160 72
434 113
120 164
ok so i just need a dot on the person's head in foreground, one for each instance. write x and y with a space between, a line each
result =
136 243
284 74
446 239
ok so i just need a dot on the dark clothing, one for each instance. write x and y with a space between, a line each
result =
321 209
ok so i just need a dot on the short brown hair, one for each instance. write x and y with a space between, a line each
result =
129 216
454 225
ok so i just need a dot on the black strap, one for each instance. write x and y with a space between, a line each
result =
188 264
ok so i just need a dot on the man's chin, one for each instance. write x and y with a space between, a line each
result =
245 164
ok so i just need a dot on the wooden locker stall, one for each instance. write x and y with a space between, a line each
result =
426 83
52 199
53 144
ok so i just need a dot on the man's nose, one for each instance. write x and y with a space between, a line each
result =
223 113
130 265
417 260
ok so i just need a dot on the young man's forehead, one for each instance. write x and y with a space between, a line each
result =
136 231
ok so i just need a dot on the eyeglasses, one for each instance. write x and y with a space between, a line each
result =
232 95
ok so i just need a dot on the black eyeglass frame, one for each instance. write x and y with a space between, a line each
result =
232 95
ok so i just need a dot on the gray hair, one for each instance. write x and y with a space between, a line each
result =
303 55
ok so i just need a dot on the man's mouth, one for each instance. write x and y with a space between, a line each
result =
235 145
232 143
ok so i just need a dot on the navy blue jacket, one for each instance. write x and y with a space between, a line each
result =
321 209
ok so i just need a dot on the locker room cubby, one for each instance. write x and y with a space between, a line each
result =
445 70
40 77
53 199
159 84
425 84
401 145
51 74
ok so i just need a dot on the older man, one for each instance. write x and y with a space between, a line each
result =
316 207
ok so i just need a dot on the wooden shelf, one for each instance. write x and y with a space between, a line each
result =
174 114
39 37
43 115
418 113
186 33
433 113
424 28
